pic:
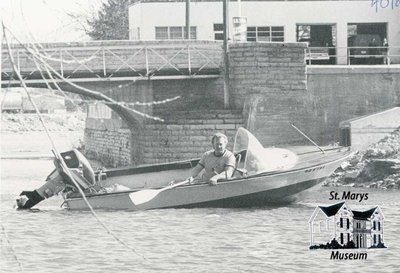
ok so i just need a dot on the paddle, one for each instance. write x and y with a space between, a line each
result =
143 196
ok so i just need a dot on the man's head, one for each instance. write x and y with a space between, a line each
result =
219 142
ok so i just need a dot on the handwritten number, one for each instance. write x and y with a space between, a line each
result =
374 3
387 3
384 4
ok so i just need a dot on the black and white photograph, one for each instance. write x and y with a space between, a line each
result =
200 136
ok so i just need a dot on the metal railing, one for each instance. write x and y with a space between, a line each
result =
353 55
98 61
125 60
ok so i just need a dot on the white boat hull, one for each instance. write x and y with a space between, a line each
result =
247 191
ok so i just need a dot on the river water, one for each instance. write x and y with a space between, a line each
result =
266 239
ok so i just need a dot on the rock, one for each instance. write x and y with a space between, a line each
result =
351 174
391 186
373 185
345 165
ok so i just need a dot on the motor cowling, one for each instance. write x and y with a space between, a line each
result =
79 170
54 184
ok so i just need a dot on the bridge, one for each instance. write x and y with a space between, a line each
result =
99 61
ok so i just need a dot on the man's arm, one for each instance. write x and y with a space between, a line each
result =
224 175
196 170
227 173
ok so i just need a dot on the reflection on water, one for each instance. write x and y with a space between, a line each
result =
270 239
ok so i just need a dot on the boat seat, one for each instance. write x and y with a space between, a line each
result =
240 156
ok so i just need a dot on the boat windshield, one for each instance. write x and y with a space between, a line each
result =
258 159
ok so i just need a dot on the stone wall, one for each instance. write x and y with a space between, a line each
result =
195 94
183 135
345 92
154 141
268 80
187 134
108 142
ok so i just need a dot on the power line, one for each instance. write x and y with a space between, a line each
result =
12 249
57 154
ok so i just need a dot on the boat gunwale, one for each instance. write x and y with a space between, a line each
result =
175 165
346 154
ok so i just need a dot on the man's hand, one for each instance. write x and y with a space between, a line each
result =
213 181
190 179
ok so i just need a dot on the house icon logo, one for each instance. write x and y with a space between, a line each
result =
339 227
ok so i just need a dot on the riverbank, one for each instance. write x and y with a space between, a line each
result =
23 136
377 167
69 121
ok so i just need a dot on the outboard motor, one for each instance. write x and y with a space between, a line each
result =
80 169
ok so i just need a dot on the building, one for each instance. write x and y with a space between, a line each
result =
368 227
339 222
328 27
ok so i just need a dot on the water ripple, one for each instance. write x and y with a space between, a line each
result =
180 240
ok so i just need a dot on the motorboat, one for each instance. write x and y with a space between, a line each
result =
262 176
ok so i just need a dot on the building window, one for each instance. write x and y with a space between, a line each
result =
341 238
341 222
374 225
175 33
348 223
348 237
374 239
321 40
162 33
218 32
379 225
365 40
317 35
265 34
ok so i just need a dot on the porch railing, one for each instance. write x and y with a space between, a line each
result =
362 230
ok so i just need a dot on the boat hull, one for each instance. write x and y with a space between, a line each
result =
256 190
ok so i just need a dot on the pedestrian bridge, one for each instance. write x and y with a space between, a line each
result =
111 61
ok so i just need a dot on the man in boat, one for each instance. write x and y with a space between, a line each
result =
218 163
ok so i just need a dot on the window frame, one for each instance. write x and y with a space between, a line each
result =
174 32
266 33
218 32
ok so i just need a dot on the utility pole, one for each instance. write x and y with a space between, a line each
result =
225 8
187 36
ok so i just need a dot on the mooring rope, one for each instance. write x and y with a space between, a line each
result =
54 82
12 249
57 154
